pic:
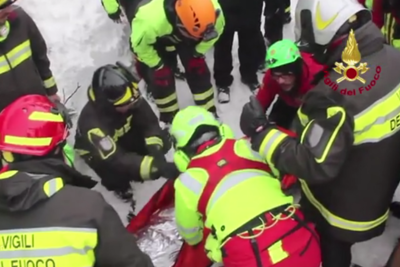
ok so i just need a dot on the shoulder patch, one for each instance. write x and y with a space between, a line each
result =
106 144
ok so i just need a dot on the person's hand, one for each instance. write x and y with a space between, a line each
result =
169 171
253 119
116 17
54 98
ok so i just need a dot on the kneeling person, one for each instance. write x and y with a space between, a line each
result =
228 189
118 134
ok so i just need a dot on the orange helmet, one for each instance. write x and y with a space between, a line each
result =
196 17
32 125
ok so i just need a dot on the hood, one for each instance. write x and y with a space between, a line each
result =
24 189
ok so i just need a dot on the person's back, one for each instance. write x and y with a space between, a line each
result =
44 220
235 163
227 188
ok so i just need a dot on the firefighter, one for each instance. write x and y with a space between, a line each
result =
192 26
227 188
115 10
118 135
25 67
45 221
290 75
346 143
243 17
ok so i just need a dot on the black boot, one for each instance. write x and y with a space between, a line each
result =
252 85
223 94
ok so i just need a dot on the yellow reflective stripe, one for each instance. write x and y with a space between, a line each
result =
204 95
303 118
53 186
145 167
287 10
45 116
16 56
173 108
170 48
332 111
270 143
27 141
339 222
50 82
7 174
190 230
153 140
277 253
208 105
191 183
126 98
56 246
166 100
193 240
374 123
191 235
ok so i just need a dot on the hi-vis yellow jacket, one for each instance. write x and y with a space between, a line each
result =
24 65
47 222
240 196
347 153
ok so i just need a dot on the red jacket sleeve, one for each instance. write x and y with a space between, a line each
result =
267 92
378 13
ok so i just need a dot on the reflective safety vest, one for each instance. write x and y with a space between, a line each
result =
391 31
228 171
48 247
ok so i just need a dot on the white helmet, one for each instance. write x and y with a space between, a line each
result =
323 18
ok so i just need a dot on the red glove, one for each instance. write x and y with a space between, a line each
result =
288 181
163 76
197 65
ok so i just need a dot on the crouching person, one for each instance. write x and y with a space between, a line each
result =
227 188
118 135
63 225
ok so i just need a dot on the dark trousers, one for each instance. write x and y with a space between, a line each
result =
276 15
251 45
334 252
165 97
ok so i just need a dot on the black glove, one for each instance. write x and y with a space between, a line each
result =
253 119
169 171
116 17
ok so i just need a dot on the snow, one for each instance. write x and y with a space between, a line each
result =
80 38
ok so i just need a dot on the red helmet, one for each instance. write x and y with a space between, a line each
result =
31 125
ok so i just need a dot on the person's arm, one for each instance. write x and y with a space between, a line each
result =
188 220
103 148
39 55
319 152
145 119
203 47
112 7
267 92
143 37
116 246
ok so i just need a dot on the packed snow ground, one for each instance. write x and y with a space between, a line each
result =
80 38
